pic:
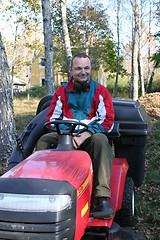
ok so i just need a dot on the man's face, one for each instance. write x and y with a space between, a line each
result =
81 69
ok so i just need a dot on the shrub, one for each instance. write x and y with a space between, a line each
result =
35 92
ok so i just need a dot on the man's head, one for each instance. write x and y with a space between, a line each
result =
81 70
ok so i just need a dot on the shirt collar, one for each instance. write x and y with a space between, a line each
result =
70 86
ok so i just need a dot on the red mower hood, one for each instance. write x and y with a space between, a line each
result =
72 166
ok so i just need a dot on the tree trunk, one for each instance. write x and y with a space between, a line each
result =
66 35
7 122
149 47
135 50
86 28
140 62
118 56
140 70
151 78
132 75
48 41
14 55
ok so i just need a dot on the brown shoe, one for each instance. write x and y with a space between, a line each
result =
104 209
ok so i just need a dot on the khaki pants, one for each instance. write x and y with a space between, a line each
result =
100 152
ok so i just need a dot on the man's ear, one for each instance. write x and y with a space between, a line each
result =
70 69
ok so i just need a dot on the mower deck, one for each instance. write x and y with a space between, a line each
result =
115 233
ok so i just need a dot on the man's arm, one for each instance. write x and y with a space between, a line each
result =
102 117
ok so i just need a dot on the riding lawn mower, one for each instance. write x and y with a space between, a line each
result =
49 194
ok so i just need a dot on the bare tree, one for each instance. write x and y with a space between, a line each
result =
13 53
132 69
135 44
149 44
86 28
140 62
7 122
152 75
66 35
48 41
156 55
118 53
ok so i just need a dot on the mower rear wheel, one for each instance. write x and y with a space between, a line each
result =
125 216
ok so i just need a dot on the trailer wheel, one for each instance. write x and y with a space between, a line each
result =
125 216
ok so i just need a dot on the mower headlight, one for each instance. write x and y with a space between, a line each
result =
34 203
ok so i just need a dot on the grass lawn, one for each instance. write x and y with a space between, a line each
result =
25 111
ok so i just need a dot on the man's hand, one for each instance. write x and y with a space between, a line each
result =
78 140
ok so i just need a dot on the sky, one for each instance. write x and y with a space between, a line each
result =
6 27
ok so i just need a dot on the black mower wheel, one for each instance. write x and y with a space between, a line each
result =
125 216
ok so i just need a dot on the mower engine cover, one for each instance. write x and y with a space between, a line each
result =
47 196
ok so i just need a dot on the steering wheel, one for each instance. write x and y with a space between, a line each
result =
70 131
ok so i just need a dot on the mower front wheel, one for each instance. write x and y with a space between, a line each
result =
125 216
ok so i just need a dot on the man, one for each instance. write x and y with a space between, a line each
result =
85 100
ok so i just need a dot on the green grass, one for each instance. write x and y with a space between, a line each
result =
24 111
